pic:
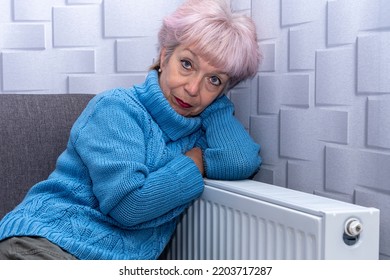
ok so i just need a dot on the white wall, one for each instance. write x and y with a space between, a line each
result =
320 106
77 46
322 100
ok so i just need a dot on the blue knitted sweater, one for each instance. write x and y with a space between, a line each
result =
123 180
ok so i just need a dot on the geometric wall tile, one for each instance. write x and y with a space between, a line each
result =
378 128
332 126
374 63
35 71
135 54
6 13
22 36
268 62
96 84
303 132
75 61
289 89
305 176
265 175
341 170
381 202
31 10
25 71
348 168
303 42
374 14
77 26
264 130
335 76
338 196
266 15
240 5
241 97
270 96
296 135
134 18
84 1
300 11
343 24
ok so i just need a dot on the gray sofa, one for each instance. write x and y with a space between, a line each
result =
34 130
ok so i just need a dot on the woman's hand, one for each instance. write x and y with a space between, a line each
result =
196 155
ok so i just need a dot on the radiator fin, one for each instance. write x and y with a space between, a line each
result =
253 220
217 231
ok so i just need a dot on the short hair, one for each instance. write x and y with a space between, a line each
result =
226 39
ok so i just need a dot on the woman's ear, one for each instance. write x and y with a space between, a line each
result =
162 57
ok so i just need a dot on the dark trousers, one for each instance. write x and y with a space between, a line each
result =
31 248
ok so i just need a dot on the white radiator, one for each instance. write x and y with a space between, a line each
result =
253 220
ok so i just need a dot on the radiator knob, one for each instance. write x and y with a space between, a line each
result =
353 227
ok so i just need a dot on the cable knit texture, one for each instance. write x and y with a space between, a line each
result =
123 180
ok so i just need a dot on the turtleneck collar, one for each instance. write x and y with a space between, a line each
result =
174 125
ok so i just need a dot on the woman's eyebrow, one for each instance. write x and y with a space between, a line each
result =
197 56
192 53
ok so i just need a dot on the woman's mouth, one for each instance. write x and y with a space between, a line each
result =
182 104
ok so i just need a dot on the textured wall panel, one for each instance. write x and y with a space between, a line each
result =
135 54
374 63
241 98
6 13
301 11
332 126
134 18
343 24
75 61
341 169
33 9
97 84
304 41
84 1
305 176
240 5
22 36
266 175
266 133
347 168
274 91
269 52
25 71
266 15
77 26
338 196
297 134
37 71
375 14
378 130
302 132
335 76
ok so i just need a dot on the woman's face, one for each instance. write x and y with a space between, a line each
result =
189 82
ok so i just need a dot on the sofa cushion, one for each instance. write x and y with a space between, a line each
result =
34 130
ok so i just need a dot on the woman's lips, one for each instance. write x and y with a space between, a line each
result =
182 103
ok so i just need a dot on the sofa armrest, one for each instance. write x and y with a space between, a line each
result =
34 130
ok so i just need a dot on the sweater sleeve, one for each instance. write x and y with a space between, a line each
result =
230 153
111 143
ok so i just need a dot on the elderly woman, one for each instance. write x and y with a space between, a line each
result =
136 157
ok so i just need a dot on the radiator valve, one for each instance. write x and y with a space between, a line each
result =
353 227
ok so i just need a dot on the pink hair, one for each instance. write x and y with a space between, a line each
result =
224 38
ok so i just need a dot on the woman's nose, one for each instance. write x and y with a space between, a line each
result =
192 86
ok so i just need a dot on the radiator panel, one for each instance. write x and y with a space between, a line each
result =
234 221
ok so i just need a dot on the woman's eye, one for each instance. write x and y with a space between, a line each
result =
186 64
215 81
